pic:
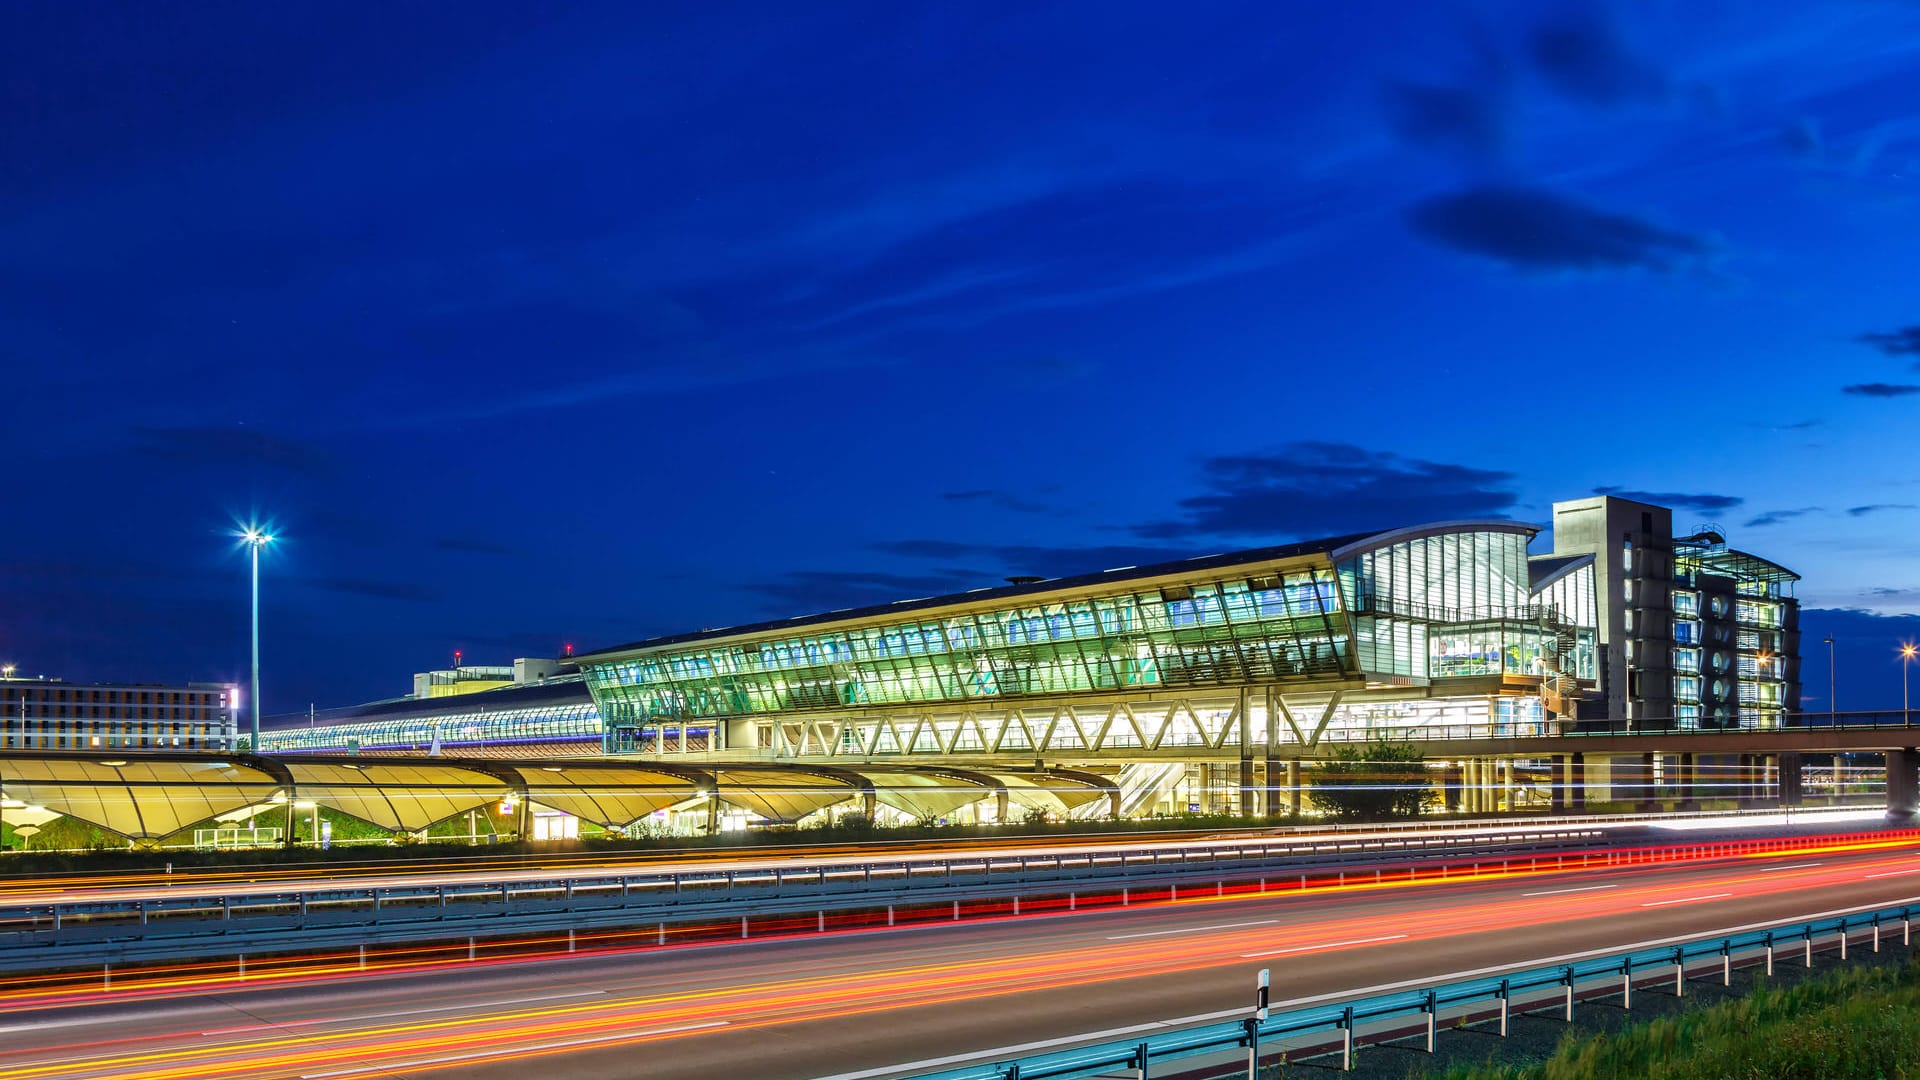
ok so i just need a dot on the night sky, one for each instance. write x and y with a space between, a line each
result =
527 324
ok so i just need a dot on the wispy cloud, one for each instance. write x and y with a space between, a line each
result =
1882 390
229 445
1877 508
1471 119
1329 487
1582 56
1685 500
1902 342
1000 500
1536 229
1775 517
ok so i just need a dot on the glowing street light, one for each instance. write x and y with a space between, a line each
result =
1907 651
255 538
6 671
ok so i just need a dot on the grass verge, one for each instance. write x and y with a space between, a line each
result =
1860 1023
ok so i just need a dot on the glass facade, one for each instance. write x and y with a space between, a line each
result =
1281 626
476 727
1461 604
1441 604
1736 638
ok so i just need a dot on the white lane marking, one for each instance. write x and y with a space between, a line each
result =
1896 873
1317 948
505 1050
1790 866
1356 993
90 1021
1687 900
1557 892
1192 929
404 1012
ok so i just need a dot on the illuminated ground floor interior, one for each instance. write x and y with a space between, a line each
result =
68 800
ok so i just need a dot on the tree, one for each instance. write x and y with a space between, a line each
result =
1379 781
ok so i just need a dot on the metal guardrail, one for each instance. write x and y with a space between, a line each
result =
781 900
36 936
1337 1030
1788 724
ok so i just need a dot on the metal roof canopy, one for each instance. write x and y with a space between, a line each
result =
785 795
138 796
614 794
152 795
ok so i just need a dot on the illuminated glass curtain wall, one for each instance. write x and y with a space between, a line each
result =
1436 606
481 726
1259 629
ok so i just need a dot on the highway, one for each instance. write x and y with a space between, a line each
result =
271 879
862 1002
268 880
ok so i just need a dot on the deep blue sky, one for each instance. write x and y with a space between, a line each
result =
527 324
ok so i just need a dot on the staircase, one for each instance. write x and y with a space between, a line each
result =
1560 688
1141 781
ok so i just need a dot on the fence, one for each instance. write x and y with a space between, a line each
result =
1336 1031
793 899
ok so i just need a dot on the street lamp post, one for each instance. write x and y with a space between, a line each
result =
1906 678
255 539
1833 693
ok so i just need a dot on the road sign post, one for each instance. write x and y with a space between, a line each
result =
1253 1024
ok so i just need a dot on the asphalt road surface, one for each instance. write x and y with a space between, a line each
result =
867 1002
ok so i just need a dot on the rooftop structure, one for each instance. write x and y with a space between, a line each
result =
542 708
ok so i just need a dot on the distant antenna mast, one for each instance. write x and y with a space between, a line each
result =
456 659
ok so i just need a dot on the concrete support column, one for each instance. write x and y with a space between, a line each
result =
1293 787
713 814
1506 784
1451 777
1249 794
1001 805
1272 803
1789 780
1557 783
1689 799
1577 783
1903 784
1644 794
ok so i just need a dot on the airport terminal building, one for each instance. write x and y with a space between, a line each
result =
1444 630
1198 685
